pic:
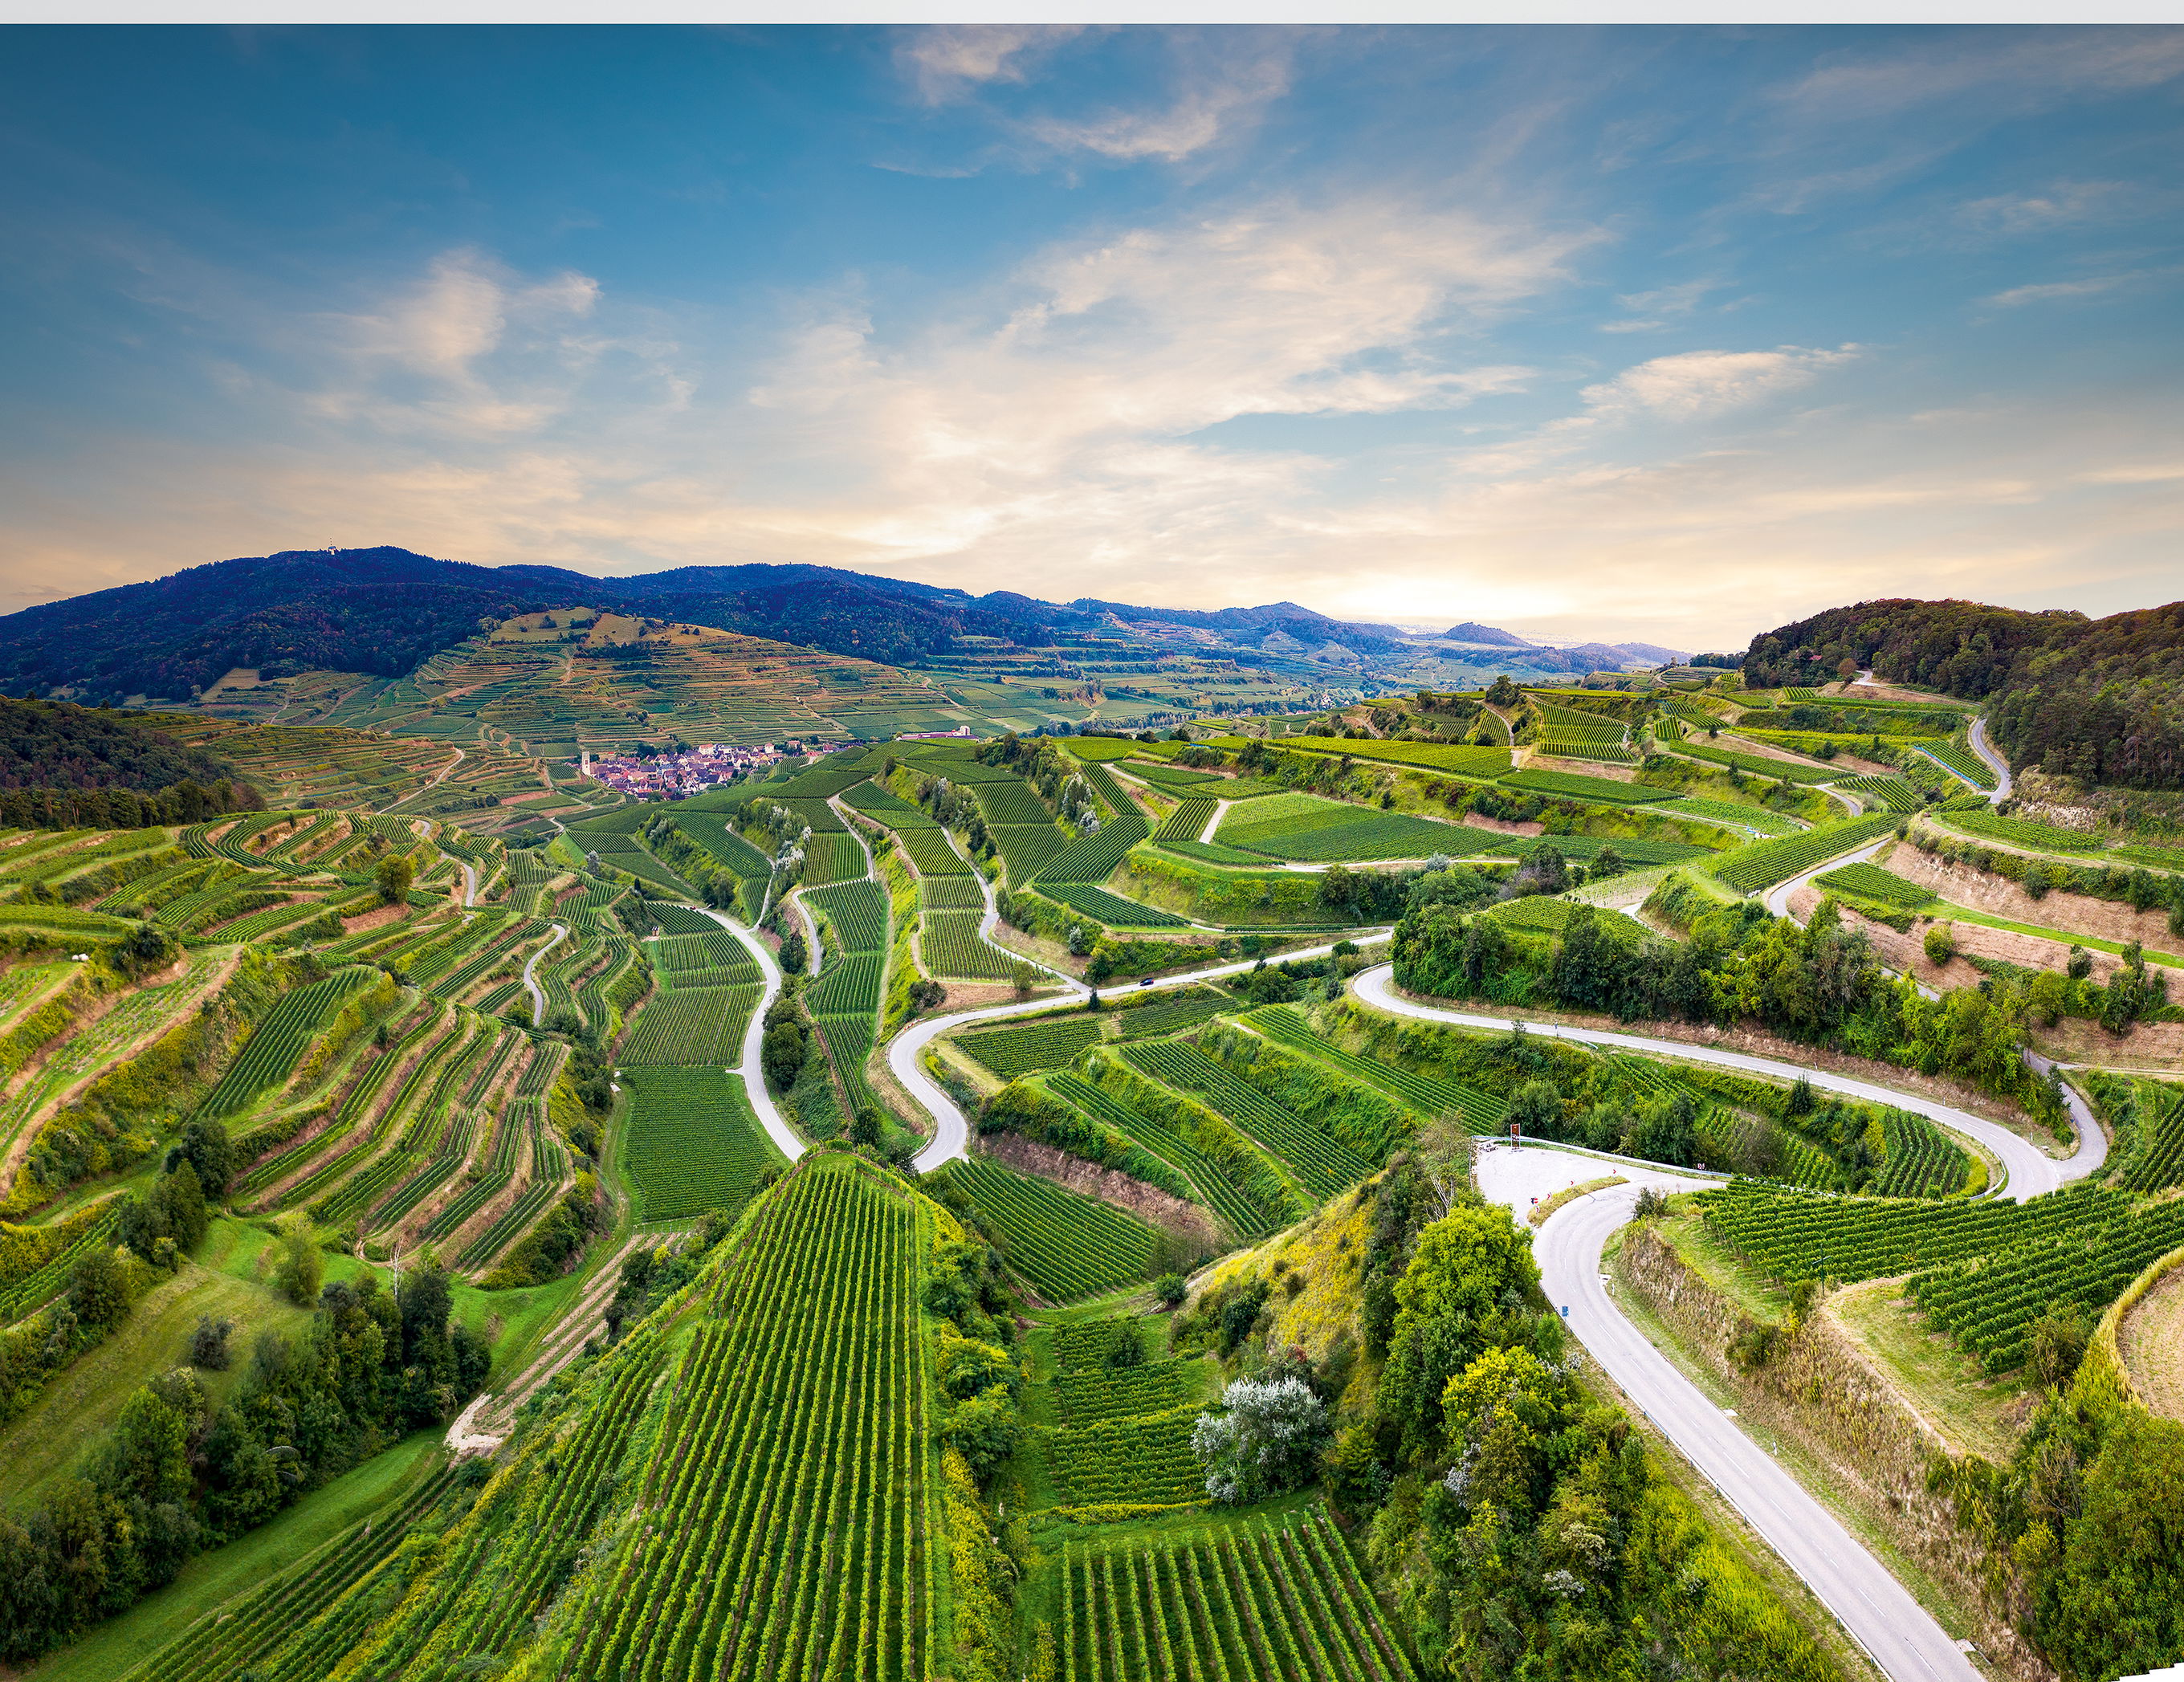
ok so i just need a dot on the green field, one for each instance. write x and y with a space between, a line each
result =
692 1144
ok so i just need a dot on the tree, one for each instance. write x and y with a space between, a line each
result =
205 1146
793 954
780 1054
1536 1108
394 876
1266 1442
209 1349
1020 977
1941 943
300 1268
1170 1289
984 1429
99 1289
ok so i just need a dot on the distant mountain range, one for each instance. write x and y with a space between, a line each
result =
386 610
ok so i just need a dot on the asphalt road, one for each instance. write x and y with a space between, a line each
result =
1902 1639
1900 1635
951 1128
530 977
2027 1170
762 1101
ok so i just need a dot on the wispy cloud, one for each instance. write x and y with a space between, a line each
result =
1701 383
2048 292
949 62
2065 204
1217 95
2008 71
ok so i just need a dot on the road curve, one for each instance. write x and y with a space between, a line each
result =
1995 762
1900 1635
2026 1172
951 1128
1778 898
753 1072
530 979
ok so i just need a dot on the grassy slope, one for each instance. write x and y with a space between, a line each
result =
83 1401
1930 1371
210 1579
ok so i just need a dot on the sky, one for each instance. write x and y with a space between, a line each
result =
1669 335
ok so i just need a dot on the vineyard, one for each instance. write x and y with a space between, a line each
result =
951 945
1252 1600
1188 821
1478 1112
1110 909
1758 764
1011 1052
1763 863
1245 1201
1981 1270
1307 828
1457 760
693 1144
1093 858
1064 1246
692 1025
789 1504
1569 785
278 1044
1145 1460
1322 1163
1865 881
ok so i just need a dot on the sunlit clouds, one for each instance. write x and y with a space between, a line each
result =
1403 324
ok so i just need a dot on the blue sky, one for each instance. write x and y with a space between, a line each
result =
1630 333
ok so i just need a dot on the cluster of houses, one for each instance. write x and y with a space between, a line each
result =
677 776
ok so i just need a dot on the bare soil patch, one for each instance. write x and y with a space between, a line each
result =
1907 951
378 917
1503 826
1999 897
1147 1202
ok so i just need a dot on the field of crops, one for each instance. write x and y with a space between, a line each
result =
692 1025
1324 1164
1256 1599
1110 909
1254 1211
1765 863
1569 785
950 945
1093 858
692 1143
1428 1095
884 806
1171 1014
1188 820
1766 822
1064 1246
1450 757
1870 882
1050 1044
279 1042
718 951
1758 764
1605 745
1307 828
790 1508
1146 1459
830 859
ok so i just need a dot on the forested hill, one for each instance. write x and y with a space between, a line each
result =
385 610
50 744
2099 698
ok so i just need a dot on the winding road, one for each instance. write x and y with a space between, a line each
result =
951 1128
2027 1170
531 977
753 1073
1898 1634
